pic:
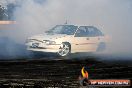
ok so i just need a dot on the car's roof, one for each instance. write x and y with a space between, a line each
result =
86 26
65 25
76 25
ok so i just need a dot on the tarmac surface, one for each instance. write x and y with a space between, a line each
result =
59 72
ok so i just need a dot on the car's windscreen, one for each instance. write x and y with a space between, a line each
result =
63 29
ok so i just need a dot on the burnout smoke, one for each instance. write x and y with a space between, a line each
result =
113 17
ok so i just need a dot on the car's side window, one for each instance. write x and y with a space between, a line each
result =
81 32
93 32
88 31
99 33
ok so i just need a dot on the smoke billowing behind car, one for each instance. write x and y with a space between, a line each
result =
66 39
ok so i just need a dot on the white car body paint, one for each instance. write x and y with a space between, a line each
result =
78 44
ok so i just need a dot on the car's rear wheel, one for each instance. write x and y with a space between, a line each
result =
64 49
101 47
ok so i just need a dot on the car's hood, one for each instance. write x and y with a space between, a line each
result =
47 36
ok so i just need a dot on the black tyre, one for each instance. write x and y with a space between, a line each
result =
101 47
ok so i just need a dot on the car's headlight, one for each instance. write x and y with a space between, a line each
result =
48 42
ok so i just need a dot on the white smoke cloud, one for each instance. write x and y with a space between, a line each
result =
113 17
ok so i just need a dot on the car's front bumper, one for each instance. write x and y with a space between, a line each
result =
44 48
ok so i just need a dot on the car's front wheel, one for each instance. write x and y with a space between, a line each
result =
64 49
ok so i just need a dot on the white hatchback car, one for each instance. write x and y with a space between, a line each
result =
66 39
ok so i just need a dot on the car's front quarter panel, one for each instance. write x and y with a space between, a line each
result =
37 45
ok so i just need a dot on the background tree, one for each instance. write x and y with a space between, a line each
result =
7 13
